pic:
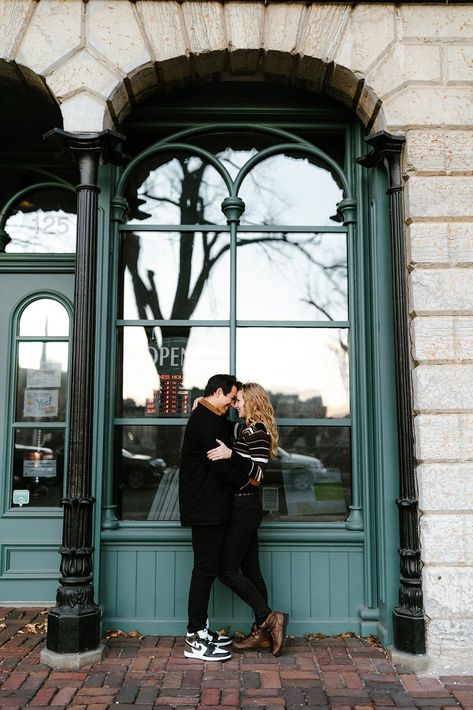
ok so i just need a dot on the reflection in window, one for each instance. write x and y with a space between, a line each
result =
42 355
146 466
309 480
41 381
311 477
289 190
298 280
164 368
43 222
299 276
38 465
176 275
183 190
304 370
44 317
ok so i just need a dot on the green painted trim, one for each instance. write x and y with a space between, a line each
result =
152 627
179 147
182 421
45 263
290 229
283 533
238 323
10 422
306 148
62 185
105 354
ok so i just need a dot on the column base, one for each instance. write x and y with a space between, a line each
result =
72 661
416 664
409 633
74 633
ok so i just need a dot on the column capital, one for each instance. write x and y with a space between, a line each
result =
385 147
87 149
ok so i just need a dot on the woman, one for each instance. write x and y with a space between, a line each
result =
255 442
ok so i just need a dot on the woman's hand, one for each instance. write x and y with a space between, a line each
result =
220 452
196 402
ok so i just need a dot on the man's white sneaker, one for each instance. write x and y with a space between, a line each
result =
204 649
218 639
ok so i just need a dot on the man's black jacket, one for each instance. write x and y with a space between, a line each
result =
206 487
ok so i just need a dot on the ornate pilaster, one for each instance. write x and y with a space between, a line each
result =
74 623
408 616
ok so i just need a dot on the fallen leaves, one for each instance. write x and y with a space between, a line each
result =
37 627
117 633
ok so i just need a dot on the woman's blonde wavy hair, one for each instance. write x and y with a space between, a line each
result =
258 408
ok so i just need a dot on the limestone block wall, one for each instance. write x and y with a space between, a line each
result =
405 68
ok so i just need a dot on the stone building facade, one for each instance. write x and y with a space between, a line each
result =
404 68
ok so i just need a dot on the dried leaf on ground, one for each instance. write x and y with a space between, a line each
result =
117 633
239 635
34 628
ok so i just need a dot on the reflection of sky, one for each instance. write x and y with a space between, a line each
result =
34 355
44 317
279 190
274 281
42 232
306 362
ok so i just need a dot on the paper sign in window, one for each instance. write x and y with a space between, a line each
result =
40 403
48 375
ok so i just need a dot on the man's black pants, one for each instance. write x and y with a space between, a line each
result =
207 543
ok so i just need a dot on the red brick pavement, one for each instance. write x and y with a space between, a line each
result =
338 673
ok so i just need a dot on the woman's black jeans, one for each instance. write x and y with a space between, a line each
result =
239 565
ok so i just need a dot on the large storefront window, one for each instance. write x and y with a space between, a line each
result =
266 297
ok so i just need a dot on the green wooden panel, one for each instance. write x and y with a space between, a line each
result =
163 571
109 590
30 561
126 583
301 588
320 589
182 573
147 587
339 590
280 582
355 579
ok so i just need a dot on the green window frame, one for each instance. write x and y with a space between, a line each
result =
350 178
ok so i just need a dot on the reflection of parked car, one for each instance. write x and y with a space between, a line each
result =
300 472
31 462
139 469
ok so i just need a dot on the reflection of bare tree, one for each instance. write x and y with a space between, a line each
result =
191 197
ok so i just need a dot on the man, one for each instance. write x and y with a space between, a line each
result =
205 498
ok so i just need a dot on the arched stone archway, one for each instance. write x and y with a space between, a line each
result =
309 73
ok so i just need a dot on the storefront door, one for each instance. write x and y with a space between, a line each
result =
35 322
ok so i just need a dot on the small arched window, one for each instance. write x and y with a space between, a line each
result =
39 421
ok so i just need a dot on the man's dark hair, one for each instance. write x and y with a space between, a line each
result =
226 382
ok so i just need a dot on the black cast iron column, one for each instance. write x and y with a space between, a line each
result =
408 615
74 623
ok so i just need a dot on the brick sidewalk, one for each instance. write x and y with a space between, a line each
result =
338 673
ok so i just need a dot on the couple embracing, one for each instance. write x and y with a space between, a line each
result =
220 501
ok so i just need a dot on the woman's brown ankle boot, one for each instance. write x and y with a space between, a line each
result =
276 624
258 640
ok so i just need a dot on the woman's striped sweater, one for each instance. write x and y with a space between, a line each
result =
251 449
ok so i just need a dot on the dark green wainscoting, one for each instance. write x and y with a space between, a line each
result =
320 583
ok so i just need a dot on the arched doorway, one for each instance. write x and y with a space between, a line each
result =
245 238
